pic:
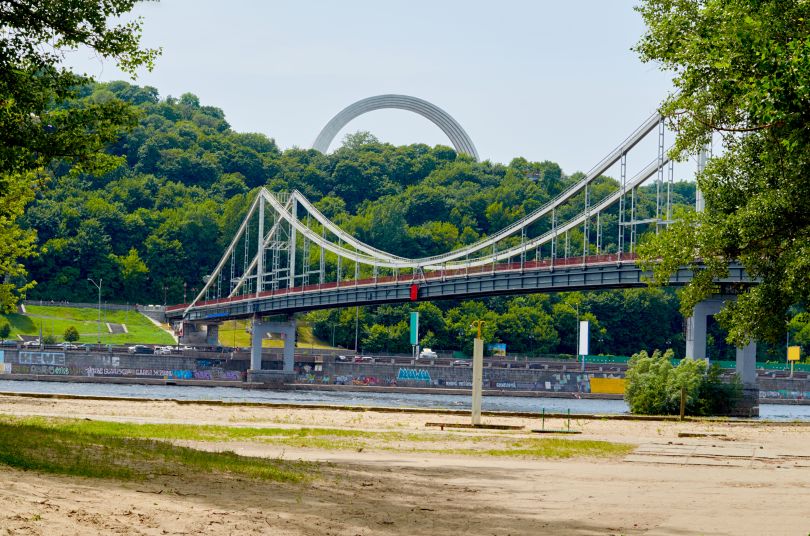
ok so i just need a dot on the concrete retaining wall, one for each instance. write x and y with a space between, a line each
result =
419 375
57 363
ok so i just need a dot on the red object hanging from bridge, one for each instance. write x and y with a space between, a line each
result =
414 292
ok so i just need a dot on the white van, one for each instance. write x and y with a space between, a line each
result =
427 353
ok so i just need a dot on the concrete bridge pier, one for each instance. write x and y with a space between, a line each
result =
748 406
287 332
200 334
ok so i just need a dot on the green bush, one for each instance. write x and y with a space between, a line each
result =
49 339
5 328
654 386
71 334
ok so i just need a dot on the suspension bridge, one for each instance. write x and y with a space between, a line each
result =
287 257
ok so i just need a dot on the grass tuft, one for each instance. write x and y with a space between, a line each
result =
74 448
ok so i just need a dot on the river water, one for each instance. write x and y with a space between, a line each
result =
441 401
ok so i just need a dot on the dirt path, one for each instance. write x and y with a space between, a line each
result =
755 480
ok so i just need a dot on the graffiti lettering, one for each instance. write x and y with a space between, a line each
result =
42 358
418 375
458 384
50 370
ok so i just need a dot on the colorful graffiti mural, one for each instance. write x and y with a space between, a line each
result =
414 375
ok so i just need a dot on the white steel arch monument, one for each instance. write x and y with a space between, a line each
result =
459 138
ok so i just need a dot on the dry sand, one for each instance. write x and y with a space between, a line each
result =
755 480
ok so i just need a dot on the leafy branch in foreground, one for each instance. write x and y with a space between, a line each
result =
37 125
742 71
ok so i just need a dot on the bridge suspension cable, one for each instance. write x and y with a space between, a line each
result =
586 207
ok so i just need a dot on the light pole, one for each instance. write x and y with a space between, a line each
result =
184 291
164 295
98 285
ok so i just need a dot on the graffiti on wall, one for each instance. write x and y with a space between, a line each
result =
42 358
116 372
313 378
50 370
414 375
217 374
784 394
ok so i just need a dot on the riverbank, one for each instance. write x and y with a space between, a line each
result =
386 472
455 391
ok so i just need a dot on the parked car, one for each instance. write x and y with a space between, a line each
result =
427 353
29 344
163 350
9 342
140 349
461 363
67 346
363 359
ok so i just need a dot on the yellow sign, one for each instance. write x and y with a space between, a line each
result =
793 353
614 386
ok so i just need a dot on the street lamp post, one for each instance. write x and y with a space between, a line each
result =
164 295
184 291
98 285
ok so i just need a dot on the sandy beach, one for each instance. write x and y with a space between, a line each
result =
681 478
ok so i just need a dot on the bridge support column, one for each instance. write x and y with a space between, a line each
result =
287 332
748 405
199 334
696 326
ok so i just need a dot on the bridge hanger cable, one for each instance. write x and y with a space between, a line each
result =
634 183
254 262
226 256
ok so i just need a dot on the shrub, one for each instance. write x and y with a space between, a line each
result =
5 328
49 339
71 334
654 386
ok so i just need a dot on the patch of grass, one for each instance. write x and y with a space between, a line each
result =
544 448
66 448
55 319
234 333
340 439
563 448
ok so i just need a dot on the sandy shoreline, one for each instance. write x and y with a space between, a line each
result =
755 479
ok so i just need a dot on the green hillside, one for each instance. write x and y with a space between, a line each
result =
53 320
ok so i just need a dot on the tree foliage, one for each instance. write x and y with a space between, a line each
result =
742 73
38 122
654 386
5 328
71 334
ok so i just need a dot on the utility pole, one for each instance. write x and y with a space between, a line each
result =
98 285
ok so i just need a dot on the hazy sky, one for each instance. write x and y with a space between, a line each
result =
541 79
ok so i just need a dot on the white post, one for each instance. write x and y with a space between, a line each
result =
477 379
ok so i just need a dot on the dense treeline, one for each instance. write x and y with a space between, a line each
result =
154 226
